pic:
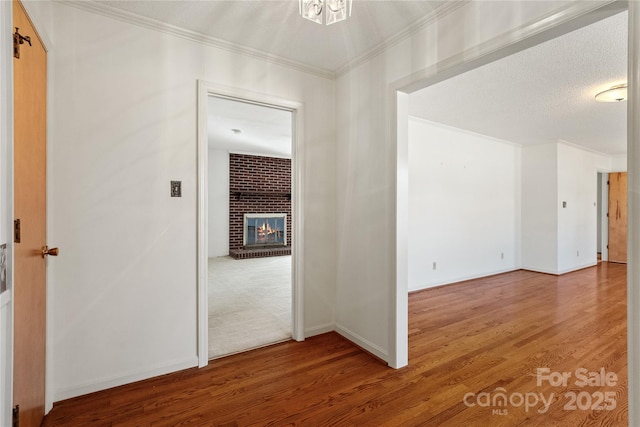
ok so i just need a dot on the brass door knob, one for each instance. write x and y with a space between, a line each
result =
46 251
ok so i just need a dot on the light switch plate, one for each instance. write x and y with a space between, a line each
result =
176 188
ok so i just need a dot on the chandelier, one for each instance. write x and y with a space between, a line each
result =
329 11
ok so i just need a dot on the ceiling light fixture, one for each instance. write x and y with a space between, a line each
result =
329 11
617 93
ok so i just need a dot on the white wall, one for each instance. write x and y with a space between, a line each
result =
124 109
464 205
539 209
218 203
558 239
41 12
367 289
619 163
577 222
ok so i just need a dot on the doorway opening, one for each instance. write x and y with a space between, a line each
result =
402 110
603 220
618 230
249 253
29 272
249 231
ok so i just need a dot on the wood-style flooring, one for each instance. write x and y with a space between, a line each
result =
468 342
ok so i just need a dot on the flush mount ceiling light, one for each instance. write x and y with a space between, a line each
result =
329 11
617 93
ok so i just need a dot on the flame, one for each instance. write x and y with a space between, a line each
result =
265 231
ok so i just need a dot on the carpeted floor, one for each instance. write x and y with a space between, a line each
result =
249 303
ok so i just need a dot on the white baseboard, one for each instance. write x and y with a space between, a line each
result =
98 385
318 330
461 279
539 270
365 344
493 273
560 272
580 267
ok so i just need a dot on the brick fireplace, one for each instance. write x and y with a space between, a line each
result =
260 189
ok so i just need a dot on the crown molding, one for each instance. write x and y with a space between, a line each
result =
410 31
153 24
465 131
587 149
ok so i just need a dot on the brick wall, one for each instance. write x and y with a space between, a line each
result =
262 175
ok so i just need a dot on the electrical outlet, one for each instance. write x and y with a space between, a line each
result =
501 255
577 253
434 265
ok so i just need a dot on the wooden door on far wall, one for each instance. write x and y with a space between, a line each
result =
30 209
618 217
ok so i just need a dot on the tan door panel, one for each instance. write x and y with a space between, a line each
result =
30 208
618 217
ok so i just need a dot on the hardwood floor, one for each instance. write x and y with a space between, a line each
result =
466 340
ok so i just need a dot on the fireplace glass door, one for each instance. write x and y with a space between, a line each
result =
265 229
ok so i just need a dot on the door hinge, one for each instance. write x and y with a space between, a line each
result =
607 214
16 231
16 416
19 39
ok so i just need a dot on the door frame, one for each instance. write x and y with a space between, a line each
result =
7 193
205 90
38 23
603 205
608 201
6 209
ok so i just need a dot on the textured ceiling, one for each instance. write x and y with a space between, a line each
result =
542 94
274 27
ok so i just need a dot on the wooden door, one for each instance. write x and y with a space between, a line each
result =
618 217
30 208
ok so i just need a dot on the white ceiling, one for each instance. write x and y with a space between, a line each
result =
542 94
263 130
274 27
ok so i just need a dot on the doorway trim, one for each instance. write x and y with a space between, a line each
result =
603 205
6 209
6 144
205 90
